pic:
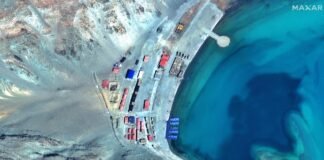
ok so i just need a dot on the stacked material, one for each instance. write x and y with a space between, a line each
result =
172 128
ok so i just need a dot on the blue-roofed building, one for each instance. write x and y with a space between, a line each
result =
131 119
130 74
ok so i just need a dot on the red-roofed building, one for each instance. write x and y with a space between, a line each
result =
123 101
126 119
164 60
116 70
138 123
146 58
142 126
105 84
146 104
150 138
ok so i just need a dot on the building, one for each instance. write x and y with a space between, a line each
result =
150 137
130 74
105 84
138 123
123 101
126 119
140 74
146 58
176 67
131 119
116 69
134 95
142 127
146 104
164 60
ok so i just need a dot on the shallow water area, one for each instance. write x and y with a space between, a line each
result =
261 95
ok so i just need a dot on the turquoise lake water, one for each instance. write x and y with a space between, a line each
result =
261 96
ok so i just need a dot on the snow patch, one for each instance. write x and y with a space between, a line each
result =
8 89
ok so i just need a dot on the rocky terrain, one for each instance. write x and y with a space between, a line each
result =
48 51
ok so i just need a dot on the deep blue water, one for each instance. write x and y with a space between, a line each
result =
261 95
259 117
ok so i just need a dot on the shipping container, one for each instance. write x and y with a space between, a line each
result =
146 104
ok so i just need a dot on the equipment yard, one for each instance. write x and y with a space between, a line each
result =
141 103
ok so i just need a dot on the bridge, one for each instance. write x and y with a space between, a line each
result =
222 41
